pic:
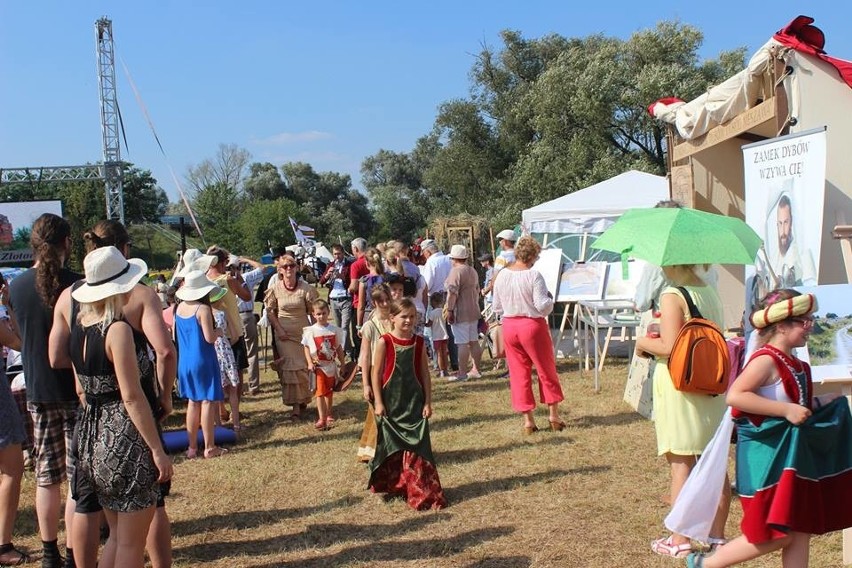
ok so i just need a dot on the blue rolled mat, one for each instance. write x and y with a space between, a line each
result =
178 440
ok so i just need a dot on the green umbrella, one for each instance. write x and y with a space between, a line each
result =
669 236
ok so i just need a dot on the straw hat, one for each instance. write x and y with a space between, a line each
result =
507 235
196 285
108 273
458 252
194 259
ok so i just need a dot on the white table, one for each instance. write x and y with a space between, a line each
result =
595 315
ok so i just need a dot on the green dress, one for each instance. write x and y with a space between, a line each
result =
403 463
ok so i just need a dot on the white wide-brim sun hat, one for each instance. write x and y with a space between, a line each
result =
196 285
194 259
108 273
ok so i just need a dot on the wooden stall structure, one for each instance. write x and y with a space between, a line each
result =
783 90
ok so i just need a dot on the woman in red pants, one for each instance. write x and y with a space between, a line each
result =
522 299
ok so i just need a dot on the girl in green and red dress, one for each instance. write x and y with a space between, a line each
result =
403 463
794 463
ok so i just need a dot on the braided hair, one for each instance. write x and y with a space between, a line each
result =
47 240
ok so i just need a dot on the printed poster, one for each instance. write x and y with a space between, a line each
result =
785 196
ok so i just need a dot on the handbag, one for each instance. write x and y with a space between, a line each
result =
638 392
498 349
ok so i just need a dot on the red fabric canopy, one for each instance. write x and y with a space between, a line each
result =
802 36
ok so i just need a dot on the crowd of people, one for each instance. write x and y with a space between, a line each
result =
103 354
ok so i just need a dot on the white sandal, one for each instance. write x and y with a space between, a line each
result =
665 547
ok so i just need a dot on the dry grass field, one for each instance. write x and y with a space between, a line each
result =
290 496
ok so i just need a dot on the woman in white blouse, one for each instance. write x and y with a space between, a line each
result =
522 299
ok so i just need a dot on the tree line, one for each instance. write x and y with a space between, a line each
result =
544 117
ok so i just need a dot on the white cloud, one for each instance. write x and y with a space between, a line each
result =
293 138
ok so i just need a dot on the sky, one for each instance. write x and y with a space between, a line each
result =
324 82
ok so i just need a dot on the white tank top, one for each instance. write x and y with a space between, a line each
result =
774 391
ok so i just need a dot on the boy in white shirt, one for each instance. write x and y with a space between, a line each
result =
323 343
437 322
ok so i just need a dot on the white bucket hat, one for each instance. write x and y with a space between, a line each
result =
194 259
458 252
108 273
196 285
507 235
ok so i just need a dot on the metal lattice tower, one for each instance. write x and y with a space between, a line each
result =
113 167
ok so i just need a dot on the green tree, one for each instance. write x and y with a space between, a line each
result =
468 169
394 182
549 116
21 238
144 200
264 182
263 223
83 206
217 208
327 202
348 217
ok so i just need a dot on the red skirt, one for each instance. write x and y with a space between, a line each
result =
415 479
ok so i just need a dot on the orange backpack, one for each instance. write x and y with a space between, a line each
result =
699 359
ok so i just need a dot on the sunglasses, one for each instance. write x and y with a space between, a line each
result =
286 266
807 323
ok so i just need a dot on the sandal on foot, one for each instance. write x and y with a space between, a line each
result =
712 544
665 547
695 560
558 425
528 430
321 425
191 454
330 420
214 452
9 548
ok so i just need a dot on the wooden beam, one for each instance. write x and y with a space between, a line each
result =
750 138
741 123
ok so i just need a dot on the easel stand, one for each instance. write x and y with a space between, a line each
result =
569 319
570 312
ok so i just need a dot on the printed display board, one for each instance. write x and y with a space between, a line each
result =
785 197
16 221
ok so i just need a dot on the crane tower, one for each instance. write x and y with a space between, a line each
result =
113 167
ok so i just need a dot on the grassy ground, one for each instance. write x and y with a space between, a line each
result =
290 496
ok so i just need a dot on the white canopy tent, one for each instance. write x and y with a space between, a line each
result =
592 210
